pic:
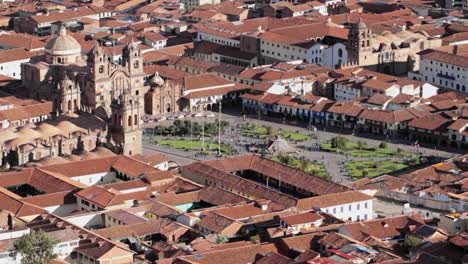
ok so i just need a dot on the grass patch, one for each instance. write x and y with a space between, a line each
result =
253 130
360 169
311 167
192 145
364 151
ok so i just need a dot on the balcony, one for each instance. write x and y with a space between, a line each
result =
444 76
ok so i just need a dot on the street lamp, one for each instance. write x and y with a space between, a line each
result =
203 129
219 128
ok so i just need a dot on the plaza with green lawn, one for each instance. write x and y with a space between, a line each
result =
256 131
195 145
362 150
369 168
311 167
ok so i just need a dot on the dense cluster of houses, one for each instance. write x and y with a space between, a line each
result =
78 80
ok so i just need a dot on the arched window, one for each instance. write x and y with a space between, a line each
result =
69 107
340 52
135 121
129 120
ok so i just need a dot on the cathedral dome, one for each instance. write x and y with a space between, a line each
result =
63 45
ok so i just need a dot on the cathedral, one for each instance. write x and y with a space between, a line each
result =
387 52
114 92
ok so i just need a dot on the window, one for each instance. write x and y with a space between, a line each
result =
365 205
350 209
358 206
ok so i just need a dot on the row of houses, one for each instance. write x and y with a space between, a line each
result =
420 122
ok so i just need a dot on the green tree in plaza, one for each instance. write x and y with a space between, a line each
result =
269 131
35 248
304 165
399 152
339 143
365 173
360 145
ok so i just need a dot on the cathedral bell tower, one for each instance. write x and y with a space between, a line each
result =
98 63
67 96
132 59
360 39
126 123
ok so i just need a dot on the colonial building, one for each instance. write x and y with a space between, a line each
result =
112 91
164 96
445 67
391 53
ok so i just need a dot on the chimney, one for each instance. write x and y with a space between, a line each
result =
11 222
263 204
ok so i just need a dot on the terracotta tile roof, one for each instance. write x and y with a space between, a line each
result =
303 218
460 240
453 57
162 226
217 196
218 223
300 243
377 85
335 199
390 117
238 255
434 173
384 182
157 176
163 210
174 199
274 170
403 98
125 217
459 124
12 203
273 258
202 66
205 81
234 30
52 199
230 181
17 54
301 35
244 211
432 122
104 197
216 91
383 228
26 112
127 185
91 244
347 108
69 14
132 167
378 99
165 72
18 40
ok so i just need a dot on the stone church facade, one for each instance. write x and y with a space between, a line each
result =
387 52
97 86
164 97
